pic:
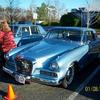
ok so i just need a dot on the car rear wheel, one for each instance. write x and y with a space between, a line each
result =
69 76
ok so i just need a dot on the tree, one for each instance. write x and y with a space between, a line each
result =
33 9
12 11
88 14
42 12
69 20
55 9
1 12
92 15
59 5
29 14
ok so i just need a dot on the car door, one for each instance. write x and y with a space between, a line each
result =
93 46
89 39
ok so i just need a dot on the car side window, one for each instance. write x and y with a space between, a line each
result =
25 29
35 30
90 36
72 35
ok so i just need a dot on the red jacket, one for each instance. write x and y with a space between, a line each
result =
7 41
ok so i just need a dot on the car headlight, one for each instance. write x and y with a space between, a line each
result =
54 66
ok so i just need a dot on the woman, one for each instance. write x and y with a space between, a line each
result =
6 41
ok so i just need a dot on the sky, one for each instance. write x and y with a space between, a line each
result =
68 4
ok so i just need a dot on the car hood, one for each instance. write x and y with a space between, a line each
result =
48 48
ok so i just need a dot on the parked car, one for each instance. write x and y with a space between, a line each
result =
23 31
55 59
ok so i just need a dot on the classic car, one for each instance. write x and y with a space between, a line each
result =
56 58
24 31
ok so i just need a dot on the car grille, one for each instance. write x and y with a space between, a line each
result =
47 73
10 65
24 66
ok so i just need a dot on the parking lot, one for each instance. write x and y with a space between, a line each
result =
50 41
85 86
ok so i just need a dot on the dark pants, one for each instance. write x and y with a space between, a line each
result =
2 60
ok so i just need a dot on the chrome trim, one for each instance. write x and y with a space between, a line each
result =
7 70
45 80
49 81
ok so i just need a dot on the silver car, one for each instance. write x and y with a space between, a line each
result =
55 59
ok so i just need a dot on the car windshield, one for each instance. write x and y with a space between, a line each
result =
72 34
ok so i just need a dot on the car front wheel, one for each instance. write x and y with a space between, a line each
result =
69 76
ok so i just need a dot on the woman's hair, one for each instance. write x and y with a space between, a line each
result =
4 26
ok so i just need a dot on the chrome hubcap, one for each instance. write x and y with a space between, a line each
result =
70 75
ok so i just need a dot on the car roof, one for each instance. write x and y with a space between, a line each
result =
74 28
23 25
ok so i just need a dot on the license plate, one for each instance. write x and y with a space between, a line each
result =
20 79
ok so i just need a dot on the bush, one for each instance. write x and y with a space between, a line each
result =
55 24
44 23
69 20
96 25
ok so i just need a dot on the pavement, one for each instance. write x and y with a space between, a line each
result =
85 87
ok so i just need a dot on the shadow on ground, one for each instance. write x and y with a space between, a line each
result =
5 78
2 93
95 82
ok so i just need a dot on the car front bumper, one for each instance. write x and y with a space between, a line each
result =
16 75
36 77
45 80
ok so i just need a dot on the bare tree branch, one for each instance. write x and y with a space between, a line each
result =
11 11
88 15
